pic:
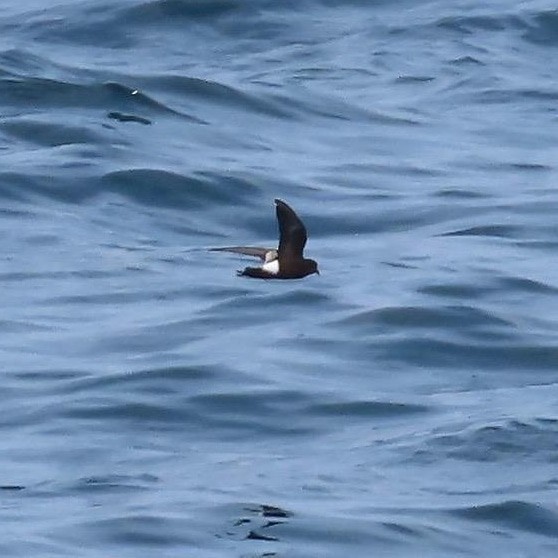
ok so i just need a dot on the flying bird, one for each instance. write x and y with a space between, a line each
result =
287 261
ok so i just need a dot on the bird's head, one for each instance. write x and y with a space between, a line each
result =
313 266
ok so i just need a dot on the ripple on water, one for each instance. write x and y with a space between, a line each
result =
509 440
520 516
454 317
499 231
49 134
161 188
157 12
497 356
363 409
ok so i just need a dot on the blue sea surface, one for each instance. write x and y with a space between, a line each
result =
403 403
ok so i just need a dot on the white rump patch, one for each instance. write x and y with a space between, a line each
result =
271 267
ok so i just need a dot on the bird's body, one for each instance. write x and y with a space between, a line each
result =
287 262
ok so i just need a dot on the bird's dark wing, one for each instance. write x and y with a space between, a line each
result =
292 232
246 250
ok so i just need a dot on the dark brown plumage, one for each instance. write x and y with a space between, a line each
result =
288 261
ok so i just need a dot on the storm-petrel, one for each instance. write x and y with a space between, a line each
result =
287 262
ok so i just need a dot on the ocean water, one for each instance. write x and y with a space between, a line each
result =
403 403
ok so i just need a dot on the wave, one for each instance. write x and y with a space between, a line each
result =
155 12
519 516
162 188
508 441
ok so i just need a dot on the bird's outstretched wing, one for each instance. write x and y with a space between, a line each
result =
292 232
254 251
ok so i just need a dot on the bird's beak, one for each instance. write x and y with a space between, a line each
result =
318 271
